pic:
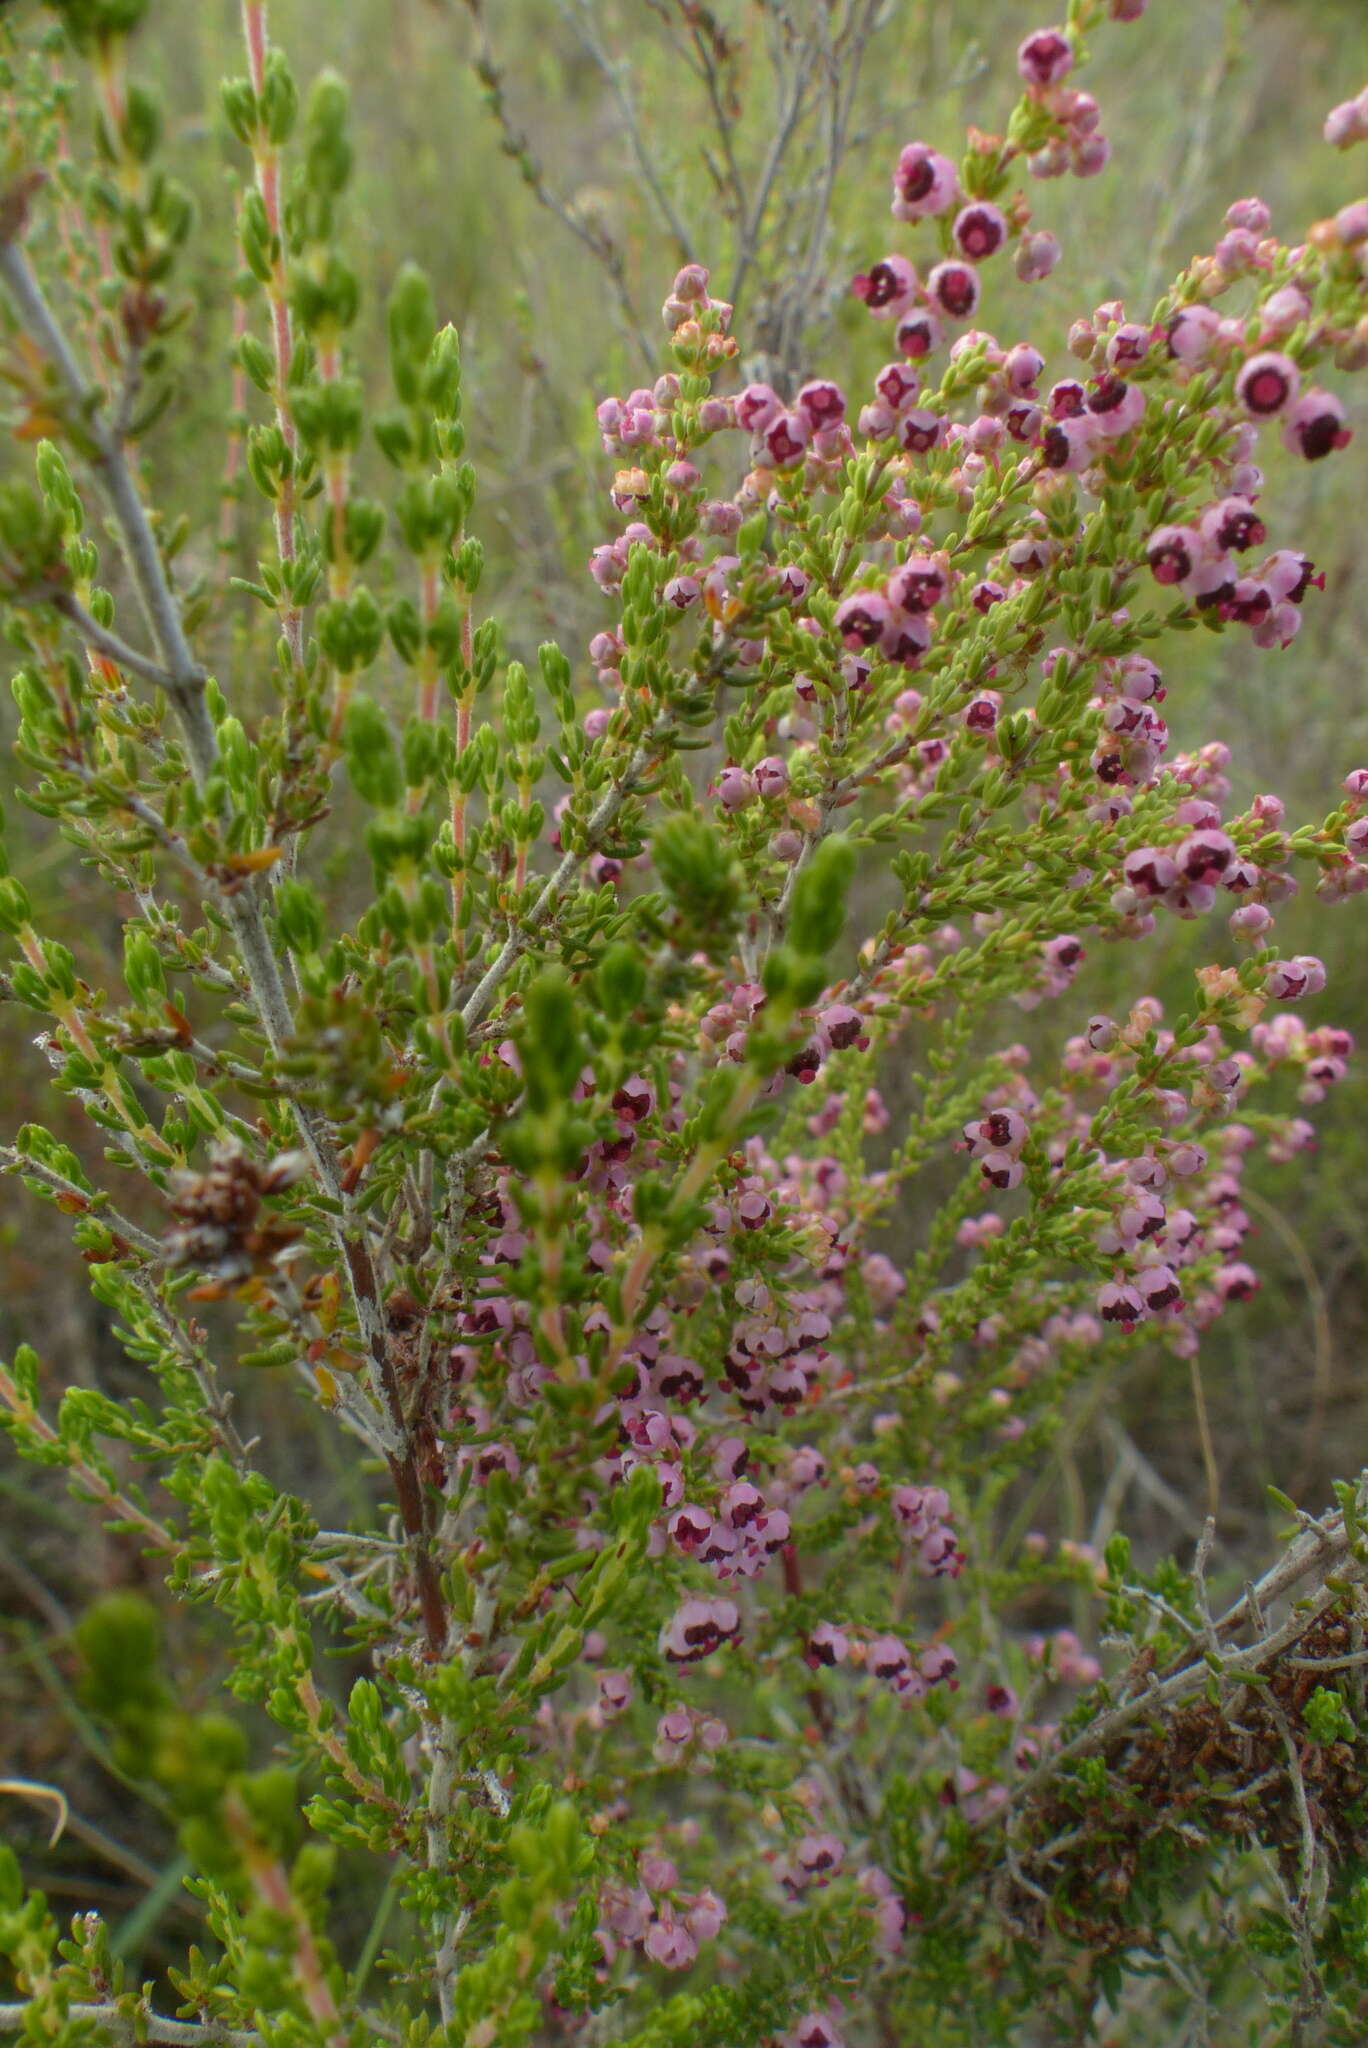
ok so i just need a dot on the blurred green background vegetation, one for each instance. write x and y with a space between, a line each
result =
1204 102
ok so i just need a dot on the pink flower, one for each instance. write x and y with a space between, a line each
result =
918 585
1045 57
887 287
1315 425
1036 256
954 287
756 406
698 1628
823 404
897 385
980 230
924 182
785 438
1191 331
1267 384
862 618
1173 552
827 1645
1117 1303
918 333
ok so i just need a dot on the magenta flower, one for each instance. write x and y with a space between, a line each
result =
1045 57
823 404
1115 406
920 430
918 333
863 618
818 1856
918 585
1159 1289
1191 332
1347 123
905 639
1204 856
887 1658
1117 1303
785 438
954 287
924 182
887 287
756 406
735 789
1070 444
1288 981
1090 155
897 385
1173 552
1315 425
1267 384
827 1644
1037 254
980 230
699 1628
1233 523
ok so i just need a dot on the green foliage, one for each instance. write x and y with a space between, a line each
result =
479 1204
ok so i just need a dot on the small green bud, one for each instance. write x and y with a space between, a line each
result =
702 881
90 23
442 378
405 629
372 758
365 529
420 752
257 360
142 128
15 909
411 320
819 898
470 564
325 294
1327 1717
327 150
549 1042
239 107
254 232
120 1643
279 98
144 974
330 416
394 436
299 915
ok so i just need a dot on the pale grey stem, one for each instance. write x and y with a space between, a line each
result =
109 643
170 842
441 1791
613 74
185 677
98 1205
120 2026
1326 1551
187 693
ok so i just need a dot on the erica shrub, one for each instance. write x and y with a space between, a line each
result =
594 1085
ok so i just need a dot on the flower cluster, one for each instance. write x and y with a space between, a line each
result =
639 1173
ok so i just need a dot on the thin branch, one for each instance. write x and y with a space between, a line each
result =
243 909
141 2025
481 1000
79 1200
613 75
109 644
515 145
